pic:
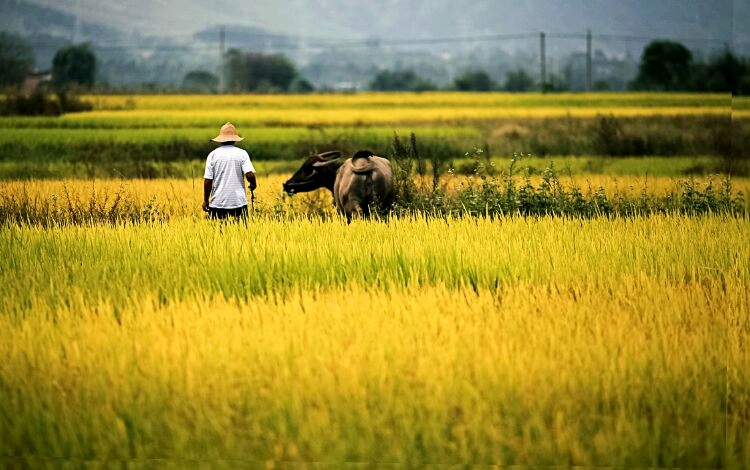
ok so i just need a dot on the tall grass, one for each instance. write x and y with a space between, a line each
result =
491 191
550 341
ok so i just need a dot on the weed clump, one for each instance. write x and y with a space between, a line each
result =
40 103
491 192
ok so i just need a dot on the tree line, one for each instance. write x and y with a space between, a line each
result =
73 68
664 66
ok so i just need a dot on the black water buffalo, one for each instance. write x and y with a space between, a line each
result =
357 183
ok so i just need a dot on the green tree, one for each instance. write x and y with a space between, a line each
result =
474 81
665 66
74 65
301 85
200 80
259 72
518 80
555 83
723 73
744 84
400 80
16 59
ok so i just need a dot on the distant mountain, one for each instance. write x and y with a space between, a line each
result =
48 29
332 41
701 20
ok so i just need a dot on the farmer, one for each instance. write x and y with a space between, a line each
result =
223 186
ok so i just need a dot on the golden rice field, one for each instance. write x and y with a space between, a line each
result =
368 109
541 341
375 108
297 340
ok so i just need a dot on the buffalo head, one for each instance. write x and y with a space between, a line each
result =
318 171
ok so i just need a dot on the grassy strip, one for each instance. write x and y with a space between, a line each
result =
161 152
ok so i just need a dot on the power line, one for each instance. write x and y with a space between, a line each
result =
280 42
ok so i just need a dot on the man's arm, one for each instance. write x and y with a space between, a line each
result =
207 186
251 179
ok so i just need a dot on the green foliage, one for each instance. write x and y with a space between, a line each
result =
200 81
122 149
403 160
40 103
490 193
400 80
518 80
724 73
610 139
669 66
259 72
477 80
74 65
37 103
16 60
601 85
154 153
300 85
555 83
665 66
734 144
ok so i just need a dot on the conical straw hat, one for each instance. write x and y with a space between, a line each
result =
227 134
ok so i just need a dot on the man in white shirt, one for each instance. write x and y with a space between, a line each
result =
223 185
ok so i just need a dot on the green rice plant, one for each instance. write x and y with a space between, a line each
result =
154 153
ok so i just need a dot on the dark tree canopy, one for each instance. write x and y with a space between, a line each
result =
200 80
259 72
16 59
74 65
474 81
724 73
665 66
400 80
518 80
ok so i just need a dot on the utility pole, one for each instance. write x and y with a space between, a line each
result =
222 66
77 24
589 67
542 53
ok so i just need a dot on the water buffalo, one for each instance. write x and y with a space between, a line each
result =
357 183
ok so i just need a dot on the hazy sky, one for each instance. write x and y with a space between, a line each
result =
719 20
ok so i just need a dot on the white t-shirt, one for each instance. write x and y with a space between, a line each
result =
227 166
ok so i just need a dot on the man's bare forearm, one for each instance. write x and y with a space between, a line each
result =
207 186
251 180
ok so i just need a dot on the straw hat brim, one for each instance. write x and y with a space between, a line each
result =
227 138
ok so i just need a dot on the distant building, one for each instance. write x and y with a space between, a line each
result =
34 79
